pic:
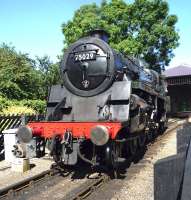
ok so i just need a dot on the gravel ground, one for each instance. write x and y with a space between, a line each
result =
139 181
143 182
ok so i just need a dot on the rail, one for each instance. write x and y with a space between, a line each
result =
12 189
26 185
91 187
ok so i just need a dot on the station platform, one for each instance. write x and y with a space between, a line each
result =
37 166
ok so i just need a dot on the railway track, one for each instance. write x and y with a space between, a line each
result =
54 176
23 187
86 189
89 188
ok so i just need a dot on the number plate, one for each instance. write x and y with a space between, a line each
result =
84 56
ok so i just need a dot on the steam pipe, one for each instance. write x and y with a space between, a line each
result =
83 158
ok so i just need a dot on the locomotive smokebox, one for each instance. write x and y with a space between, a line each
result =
99 135
99 33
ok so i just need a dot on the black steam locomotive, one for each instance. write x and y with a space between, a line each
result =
107 106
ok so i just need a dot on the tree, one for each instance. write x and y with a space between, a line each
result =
24 78
49 71
18 78
143 28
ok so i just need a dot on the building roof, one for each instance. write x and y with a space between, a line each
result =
181 70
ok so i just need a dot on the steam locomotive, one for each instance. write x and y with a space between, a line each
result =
106 107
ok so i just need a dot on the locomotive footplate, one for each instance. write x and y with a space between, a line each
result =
48 129
66 137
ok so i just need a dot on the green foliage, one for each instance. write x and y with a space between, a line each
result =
4 103
22 85
25 106
143 28
18 79
38 105
49 71
24 78
17 110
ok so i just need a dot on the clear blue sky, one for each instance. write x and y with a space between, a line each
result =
34 26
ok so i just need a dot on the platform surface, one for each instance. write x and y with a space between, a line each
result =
38 165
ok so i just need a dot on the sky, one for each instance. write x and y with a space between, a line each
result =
34 27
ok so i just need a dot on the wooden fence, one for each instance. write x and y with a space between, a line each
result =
13 121
172 175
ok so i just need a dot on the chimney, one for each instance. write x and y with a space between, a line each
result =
99 33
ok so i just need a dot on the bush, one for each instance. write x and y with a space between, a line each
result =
18 110
3 103
21 107
38 105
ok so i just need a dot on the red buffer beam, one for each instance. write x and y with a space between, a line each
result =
78 129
